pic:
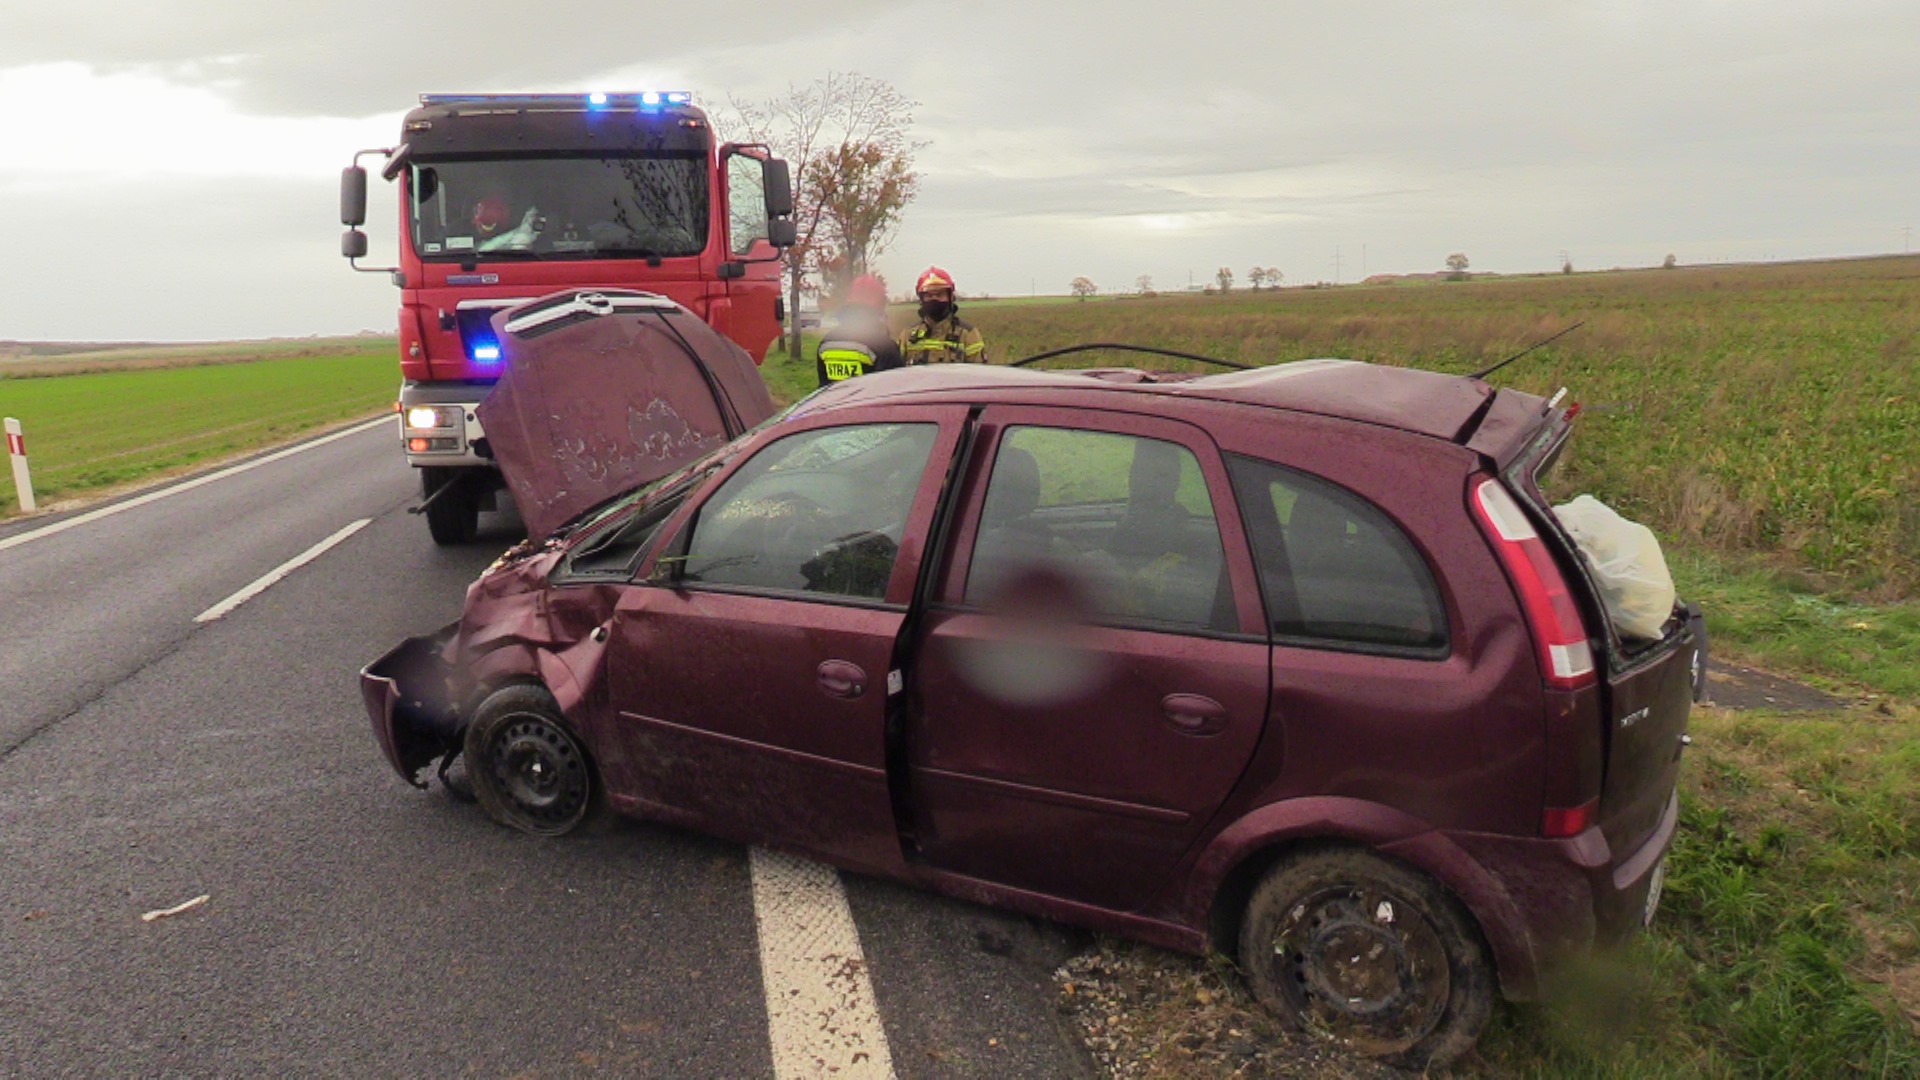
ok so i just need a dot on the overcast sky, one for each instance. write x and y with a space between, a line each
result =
170 170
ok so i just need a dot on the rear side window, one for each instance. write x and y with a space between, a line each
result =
1335 569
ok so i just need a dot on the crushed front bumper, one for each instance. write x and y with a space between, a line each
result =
408 699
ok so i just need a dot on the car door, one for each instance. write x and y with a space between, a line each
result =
1091 675
750 679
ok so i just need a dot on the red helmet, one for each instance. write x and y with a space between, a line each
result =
933 278
490 213
867 289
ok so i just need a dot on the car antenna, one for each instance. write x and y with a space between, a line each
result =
1528 349
1090 346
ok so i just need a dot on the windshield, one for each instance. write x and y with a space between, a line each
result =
648 494
559 207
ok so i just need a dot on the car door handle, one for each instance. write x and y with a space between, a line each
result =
1192 714
841 679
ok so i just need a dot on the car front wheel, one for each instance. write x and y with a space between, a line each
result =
528 769
1370 954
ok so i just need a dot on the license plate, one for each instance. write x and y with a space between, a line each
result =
1653 892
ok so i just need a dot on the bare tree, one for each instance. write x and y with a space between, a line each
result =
1224 277
1457 263
817 127
1669 262
1144 284
1084 287
1273 277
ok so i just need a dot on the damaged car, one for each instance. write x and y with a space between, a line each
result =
1293 663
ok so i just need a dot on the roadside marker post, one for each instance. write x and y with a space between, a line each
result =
17 450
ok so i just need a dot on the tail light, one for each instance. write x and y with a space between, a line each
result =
1560 822
1559 636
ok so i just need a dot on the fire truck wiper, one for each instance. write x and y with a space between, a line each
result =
653 257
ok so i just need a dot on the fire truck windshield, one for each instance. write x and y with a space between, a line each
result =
574 207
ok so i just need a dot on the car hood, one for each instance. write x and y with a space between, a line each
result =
603 390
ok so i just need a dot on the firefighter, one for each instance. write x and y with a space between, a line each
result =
941 336
859 342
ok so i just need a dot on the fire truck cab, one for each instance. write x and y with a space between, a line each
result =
507 198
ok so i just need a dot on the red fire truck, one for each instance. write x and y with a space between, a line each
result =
505 198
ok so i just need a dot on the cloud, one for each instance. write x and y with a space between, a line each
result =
199 142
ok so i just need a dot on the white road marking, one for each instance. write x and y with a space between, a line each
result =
821 1013
188 485
266 580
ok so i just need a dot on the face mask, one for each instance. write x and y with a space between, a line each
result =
935 310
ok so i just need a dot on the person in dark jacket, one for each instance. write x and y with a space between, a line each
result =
859 342
941 336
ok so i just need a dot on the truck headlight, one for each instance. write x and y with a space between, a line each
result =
433 416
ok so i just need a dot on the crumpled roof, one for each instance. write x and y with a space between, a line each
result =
603 390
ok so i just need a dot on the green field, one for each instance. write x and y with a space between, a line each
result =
104 428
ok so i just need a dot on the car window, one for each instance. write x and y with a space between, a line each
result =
1127 520
817 512
1333 567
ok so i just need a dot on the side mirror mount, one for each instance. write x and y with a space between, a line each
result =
353 208
666 571
353 196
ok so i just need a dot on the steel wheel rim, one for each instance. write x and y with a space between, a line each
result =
1363 966
541 773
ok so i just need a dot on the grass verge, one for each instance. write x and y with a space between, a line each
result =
93 431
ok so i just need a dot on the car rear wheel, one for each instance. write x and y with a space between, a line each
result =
1370 954
528 769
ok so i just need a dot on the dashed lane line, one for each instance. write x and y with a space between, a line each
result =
265 581
187 485
821 1014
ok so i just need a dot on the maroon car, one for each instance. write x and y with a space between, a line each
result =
1294 663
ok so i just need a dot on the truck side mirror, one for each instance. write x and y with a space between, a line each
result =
353 197
782 232
778 187
353 244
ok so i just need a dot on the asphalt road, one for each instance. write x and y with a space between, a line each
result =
355 926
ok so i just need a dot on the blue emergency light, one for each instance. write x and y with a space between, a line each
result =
486 352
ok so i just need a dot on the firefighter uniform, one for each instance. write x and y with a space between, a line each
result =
952 340
859 344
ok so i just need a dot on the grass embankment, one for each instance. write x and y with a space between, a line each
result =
87 432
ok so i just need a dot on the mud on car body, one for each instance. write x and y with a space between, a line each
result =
1292 663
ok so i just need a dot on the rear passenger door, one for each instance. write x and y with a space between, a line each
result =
1091 677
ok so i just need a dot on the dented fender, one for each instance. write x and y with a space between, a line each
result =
409 700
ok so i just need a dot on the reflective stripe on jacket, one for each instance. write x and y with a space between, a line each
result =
845 359
950 341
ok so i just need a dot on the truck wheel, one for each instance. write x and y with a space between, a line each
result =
454 517
528 769
1369 954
